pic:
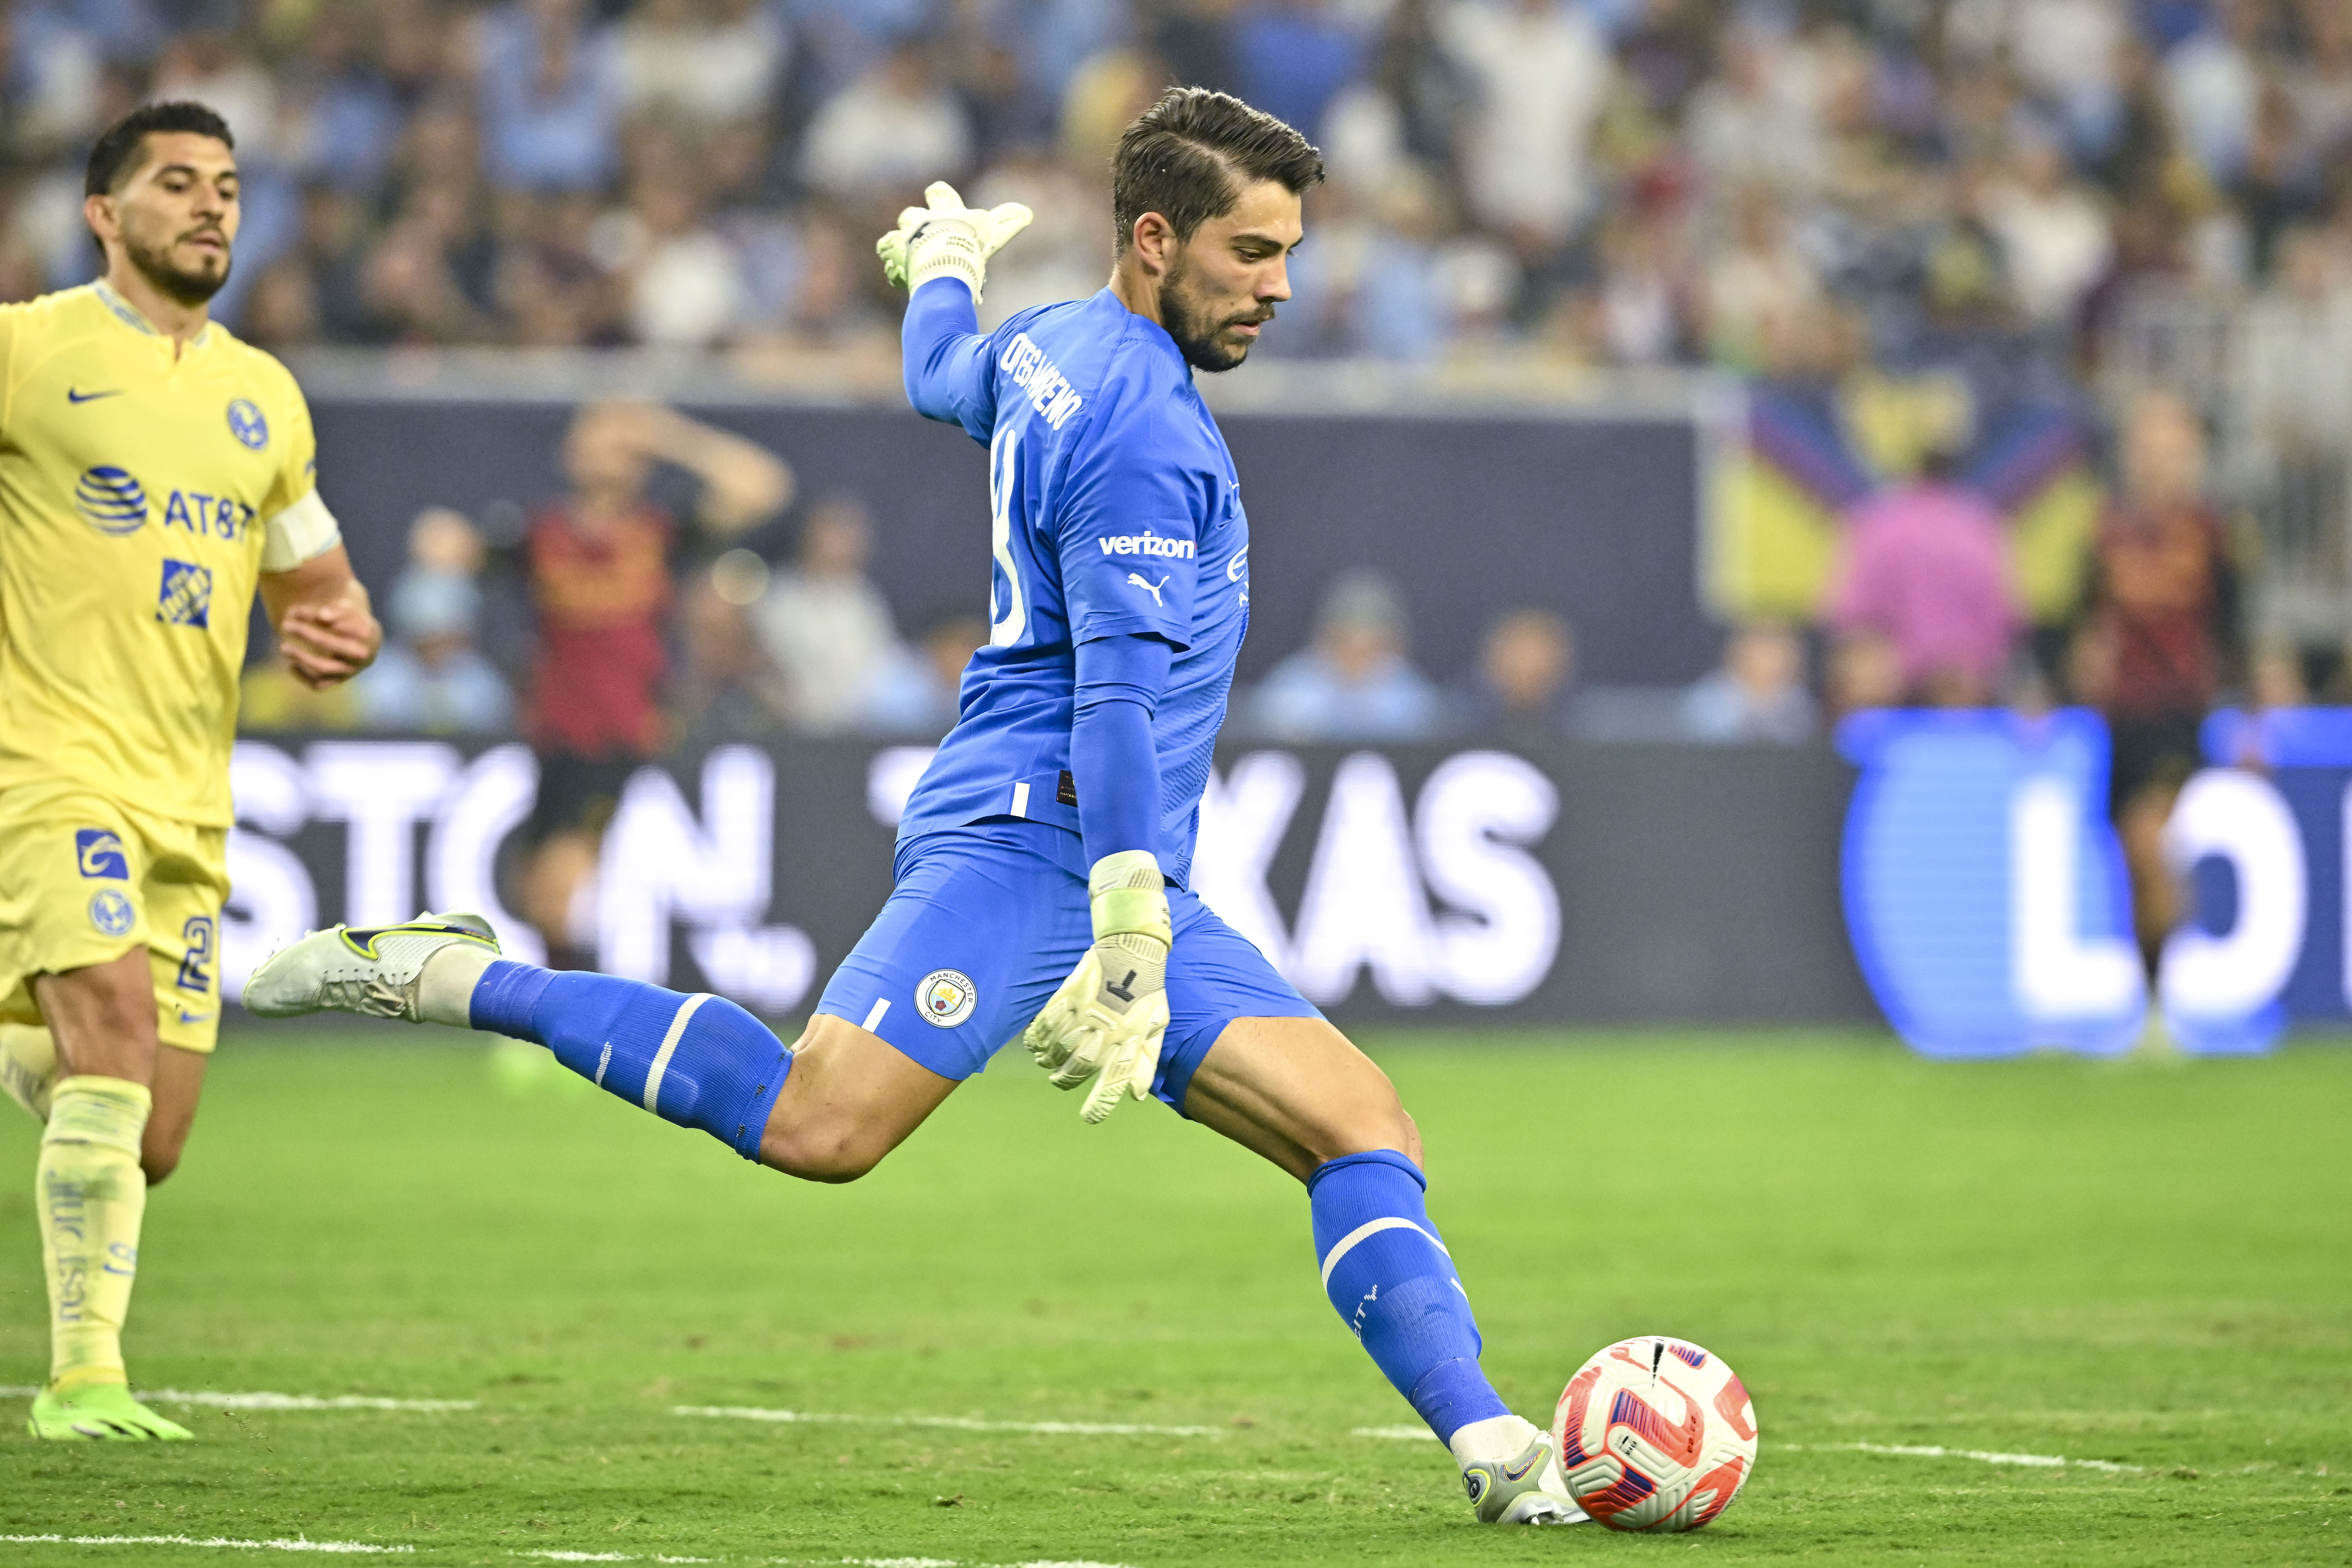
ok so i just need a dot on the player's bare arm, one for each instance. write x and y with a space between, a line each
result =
325 629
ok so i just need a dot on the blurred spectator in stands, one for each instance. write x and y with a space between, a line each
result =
1758 693
1756 283
1542 71
918 697
549 95
2321 82
1407 107
600 576
1751 125
1927 572
2214 84
338 120
1666 52
684 284
430 679
1064 253
216 70
727 690
2069 53
2055 240
1642 311
1294 57
2159 639
889 131
1521 690
2293 377
708 61
824 623
2278 186
1353 682
550 283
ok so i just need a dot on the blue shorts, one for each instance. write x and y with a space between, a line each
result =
986 922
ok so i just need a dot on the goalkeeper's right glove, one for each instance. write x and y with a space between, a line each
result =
945 238
1106 1021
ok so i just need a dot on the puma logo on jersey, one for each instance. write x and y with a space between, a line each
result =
1150 587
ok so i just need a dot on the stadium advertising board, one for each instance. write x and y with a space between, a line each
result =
1986 893
1596 883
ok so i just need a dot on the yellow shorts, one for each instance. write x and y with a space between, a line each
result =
84 879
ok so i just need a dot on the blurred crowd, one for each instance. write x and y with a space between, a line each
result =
1630 181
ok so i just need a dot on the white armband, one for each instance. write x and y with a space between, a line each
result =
302 531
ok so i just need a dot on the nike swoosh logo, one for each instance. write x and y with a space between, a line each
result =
73 396
1523 1471
188 1017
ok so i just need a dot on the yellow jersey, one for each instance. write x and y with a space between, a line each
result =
141 495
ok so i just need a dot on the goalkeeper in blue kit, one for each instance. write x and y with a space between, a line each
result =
1041 887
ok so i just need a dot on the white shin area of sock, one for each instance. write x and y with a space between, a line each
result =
1493 1440
445 986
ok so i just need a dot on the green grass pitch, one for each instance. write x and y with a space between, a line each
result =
2144 1263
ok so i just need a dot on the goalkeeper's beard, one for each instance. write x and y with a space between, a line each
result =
1197 334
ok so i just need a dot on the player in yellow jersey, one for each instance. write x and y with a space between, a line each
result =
155 474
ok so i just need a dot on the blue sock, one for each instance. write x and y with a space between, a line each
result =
711 1065
1388 1274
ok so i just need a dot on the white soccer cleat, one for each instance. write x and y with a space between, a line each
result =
376 972
1526 1489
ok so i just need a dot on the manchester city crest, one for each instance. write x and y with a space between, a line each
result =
946 997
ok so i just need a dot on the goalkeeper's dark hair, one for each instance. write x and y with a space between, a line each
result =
116 154
1188 156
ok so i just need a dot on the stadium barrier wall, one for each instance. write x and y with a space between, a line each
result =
1593 517
1985 892
1433 884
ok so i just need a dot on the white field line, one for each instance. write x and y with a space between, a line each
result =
216 1542
1398 1434
955 1423
278 1401
1937 1451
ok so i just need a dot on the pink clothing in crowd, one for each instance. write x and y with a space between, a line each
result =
1926 567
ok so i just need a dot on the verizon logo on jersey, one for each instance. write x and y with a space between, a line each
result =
1050 393
1147 544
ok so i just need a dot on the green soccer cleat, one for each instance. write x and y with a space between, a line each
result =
99 1413
374 971
1527 1489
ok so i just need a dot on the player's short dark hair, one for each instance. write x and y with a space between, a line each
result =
1188 156
115 153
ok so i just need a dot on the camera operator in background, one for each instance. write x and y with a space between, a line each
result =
599 565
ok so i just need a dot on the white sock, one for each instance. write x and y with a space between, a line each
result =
1493 1440
445 986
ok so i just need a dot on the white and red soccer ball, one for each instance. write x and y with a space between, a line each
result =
1655 1434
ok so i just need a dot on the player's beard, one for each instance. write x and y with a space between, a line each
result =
1195 327
187 288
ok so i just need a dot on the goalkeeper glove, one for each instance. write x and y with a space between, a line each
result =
944 238
1106 1021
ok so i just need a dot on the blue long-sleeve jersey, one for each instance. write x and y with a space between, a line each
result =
1114 514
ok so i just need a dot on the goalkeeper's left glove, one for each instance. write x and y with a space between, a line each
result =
1106 1021
945 238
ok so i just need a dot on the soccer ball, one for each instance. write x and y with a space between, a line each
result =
1655 1434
